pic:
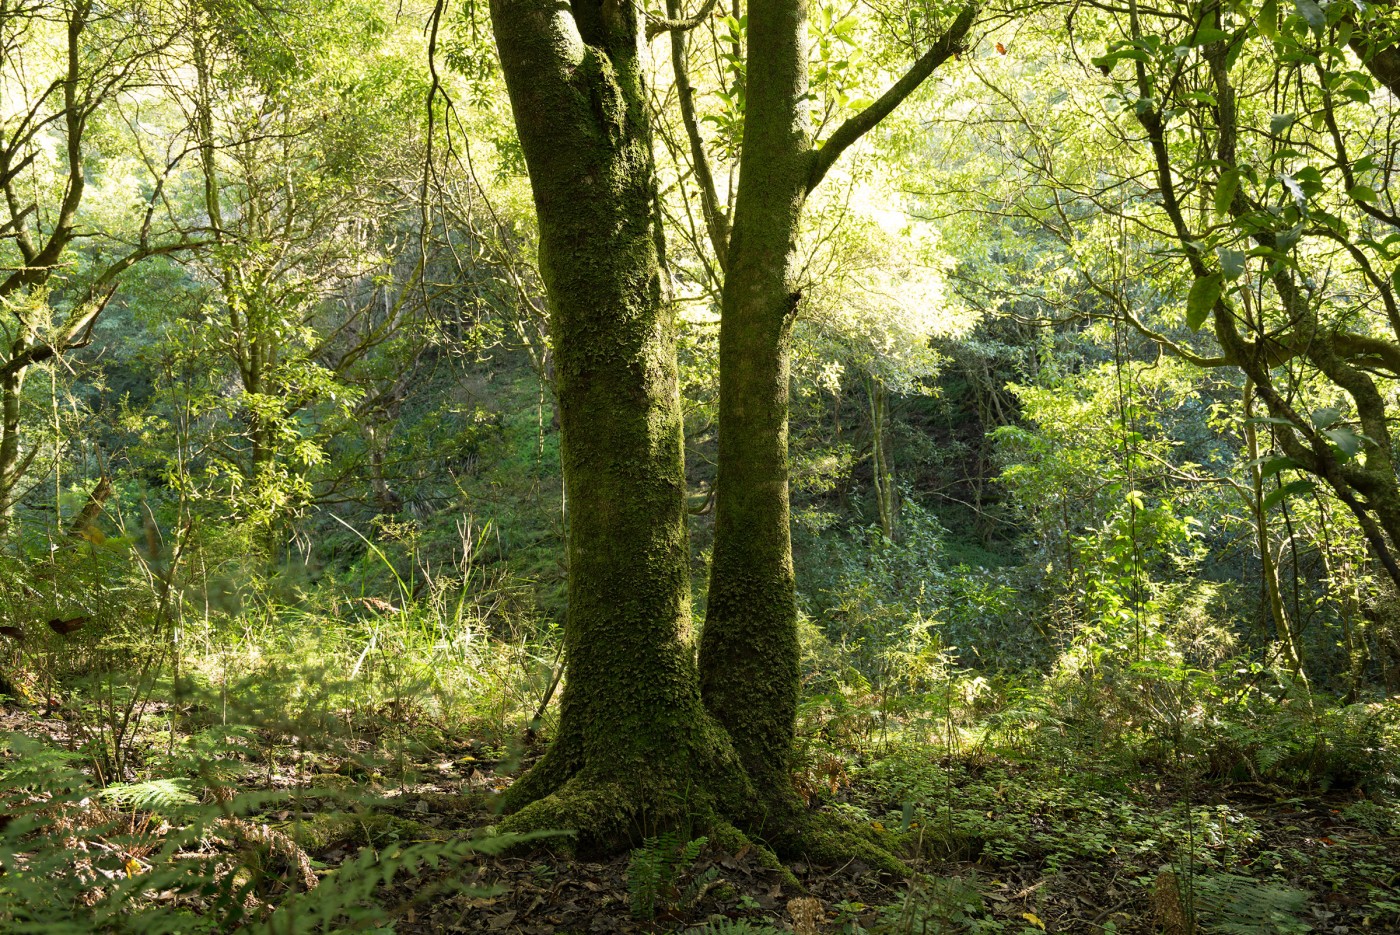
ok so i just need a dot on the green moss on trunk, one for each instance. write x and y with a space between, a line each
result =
636 749
749 649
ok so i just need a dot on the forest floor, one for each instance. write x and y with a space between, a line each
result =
1341 872
1000 843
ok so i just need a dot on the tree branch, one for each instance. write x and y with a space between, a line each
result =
676 25
950 43
1373 43
716 223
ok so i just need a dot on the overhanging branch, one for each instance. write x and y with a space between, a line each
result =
948 44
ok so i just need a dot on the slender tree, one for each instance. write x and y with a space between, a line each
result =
749 649
83 58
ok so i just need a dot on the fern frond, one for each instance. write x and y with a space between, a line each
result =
154 795
1234 904
734 927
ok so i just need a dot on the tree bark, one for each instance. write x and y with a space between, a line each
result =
882 468
749 650
635 747
1283 628
749 659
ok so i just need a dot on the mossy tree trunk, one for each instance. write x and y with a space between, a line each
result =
749 648
636 749
636 746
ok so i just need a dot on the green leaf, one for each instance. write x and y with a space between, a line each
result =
1267 21
1202 298
1280 122
1294 189
1347 441
1362 193
1285 241
1225 191
1208 34
1326 416
1312 14
1287 490
1395 279
1273 465
1231 263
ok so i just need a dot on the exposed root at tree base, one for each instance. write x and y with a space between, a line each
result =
600 814
831 840
606 815
728 839
559 763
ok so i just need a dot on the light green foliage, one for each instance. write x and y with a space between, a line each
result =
874 296
153 795
134 853
1037 627
1335 746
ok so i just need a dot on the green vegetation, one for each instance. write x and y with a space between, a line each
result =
699 467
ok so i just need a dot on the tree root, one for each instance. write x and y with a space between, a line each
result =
829 839
607 814
730 840
608 809
610 815
559 763
599 813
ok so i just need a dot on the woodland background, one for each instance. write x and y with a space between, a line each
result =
1096 634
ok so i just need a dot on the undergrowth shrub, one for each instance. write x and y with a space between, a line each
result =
1307 741
1227 904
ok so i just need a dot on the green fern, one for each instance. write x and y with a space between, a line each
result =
155 795
725 926
1269 757
654 868
70 863
1233 904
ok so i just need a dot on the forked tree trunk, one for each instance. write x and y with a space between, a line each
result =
635 747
